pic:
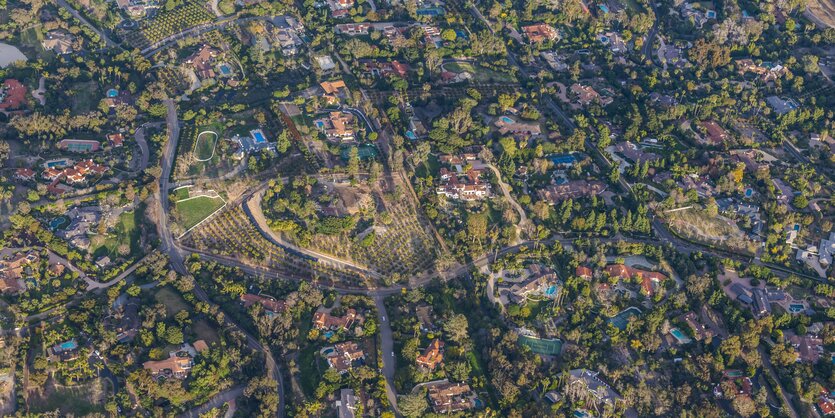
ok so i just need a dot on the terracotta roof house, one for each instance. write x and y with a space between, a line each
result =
12 95
116 140
268 303
25 174
176 366
326 321
384 69
583 272
203 62
432 356
715 134
540 33
648 278
447 398
352 29
12 270
587 94
344 355
337 126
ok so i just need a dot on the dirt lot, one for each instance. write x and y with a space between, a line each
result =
822 12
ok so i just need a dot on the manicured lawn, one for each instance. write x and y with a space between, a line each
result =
172 301
84 97
125 232
195 209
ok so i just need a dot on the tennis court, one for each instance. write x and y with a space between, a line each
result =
542 346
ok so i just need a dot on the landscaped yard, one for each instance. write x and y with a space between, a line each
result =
205 331
479 73
194 209
125 232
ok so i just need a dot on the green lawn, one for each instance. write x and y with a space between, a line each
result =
84 97
309 375
195 209
173 302
205 146
205 331
125 232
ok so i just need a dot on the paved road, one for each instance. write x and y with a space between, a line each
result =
216 402
387 351
256 214
766 358
646 50
176 257
93 285
139 136
107 41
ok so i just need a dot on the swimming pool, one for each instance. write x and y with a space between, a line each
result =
225 70
411 135
69 345
319 124
328 334
506 119
258 136
796 307
551 290
112 93
60 222
682 339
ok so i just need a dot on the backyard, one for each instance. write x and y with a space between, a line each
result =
173 302
124 233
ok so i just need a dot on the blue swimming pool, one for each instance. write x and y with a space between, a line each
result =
411 135
112 93
69 345
682 339
551 290
796 307
259 137
225 70
319 124
328 334
506 119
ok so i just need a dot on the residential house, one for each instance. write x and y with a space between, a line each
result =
65 351
700 331
583 272
59 41
540 33
269 304
809 347
346 405
12 271
541 282
432 356
597 393
742 385
116 140
649 279
334 91
448 398
587 95
353 29
203 62
385 69
337 126
25 174
176 366
827 250
12 95
509 125
325 321
716 135
574 189
343 355
631 151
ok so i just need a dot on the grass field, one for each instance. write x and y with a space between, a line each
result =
172 301
125 232
309 375
79 400
195 209
205 331
84 97
204 148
